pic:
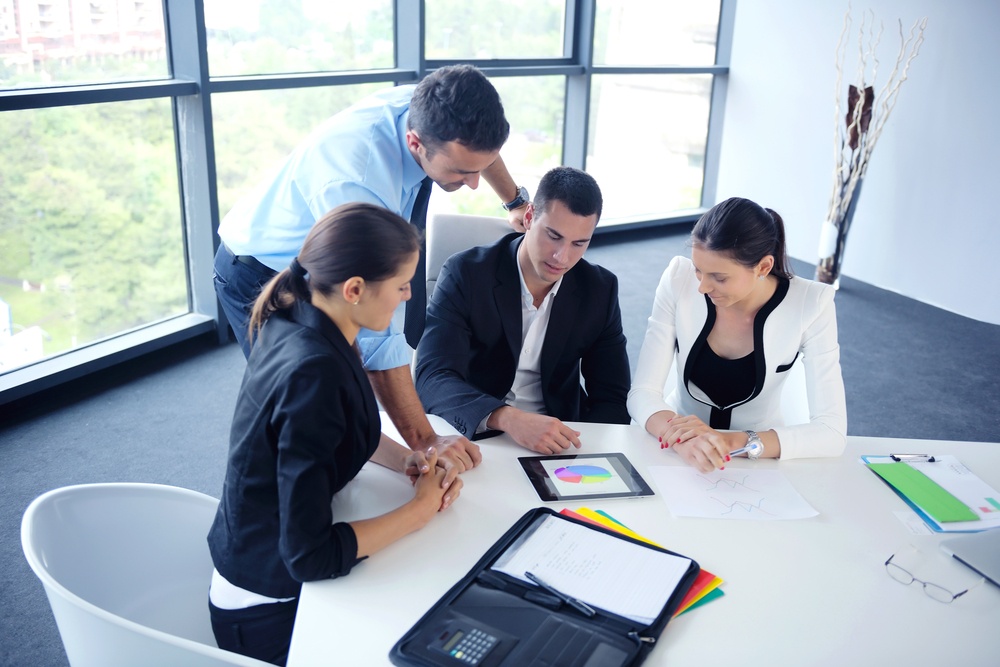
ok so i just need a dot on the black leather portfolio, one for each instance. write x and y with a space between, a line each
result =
554 592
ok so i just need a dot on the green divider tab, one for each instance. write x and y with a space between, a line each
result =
924 492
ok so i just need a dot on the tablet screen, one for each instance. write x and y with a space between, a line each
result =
584 477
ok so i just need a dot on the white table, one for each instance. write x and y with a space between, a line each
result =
804 592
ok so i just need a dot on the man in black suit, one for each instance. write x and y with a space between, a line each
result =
512 326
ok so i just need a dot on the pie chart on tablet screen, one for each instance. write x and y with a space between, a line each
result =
583 474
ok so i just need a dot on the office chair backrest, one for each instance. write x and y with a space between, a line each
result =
126 569
448 233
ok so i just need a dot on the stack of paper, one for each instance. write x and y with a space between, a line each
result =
619 576
705 587
942 491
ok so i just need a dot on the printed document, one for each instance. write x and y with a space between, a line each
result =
606 572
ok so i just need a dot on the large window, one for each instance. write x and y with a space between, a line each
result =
281 36
129 127
649 108
90 238
464 30
256 130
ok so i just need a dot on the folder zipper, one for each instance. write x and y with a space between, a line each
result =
639 639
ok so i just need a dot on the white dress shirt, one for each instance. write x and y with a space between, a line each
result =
526 392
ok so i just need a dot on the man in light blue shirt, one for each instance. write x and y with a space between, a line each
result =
449 128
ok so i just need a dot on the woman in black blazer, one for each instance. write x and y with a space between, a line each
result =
306 421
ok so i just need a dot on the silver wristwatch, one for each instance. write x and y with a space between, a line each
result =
754 447
520 200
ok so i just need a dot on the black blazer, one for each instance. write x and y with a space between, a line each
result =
306 421
468 355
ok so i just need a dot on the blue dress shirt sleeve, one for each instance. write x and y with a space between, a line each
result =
383 350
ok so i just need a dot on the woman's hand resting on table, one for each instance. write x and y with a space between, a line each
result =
700 445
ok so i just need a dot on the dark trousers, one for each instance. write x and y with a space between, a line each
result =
238 281
263 631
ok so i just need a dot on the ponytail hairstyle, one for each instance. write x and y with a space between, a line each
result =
746 232
354 239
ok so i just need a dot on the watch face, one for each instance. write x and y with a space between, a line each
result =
755 448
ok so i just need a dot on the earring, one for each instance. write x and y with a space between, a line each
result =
356 302
760 277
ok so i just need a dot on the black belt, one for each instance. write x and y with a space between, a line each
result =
251 261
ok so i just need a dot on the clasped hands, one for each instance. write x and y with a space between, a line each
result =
700 445
431 477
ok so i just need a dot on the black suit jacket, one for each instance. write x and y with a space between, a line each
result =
306 421
468 355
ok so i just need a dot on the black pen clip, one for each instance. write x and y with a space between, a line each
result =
913 457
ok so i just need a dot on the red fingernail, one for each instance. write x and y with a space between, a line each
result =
722 468
666 445
727 457
678 441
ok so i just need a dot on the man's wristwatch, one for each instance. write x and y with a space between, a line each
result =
520 200
754 446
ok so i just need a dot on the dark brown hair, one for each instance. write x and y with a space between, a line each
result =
351 240
746 232
576 189
458 103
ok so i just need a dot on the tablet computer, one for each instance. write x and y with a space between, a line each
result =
584 477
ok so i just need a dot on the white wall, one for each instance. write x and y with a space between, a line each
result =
927 223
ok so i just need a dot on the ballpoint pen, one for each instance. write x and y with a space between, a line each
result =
579 605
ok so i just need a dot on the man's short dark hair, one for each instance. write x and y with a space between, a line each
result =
576 189
458 103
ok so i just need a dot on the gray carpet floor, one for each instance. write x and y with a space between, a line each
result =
910 370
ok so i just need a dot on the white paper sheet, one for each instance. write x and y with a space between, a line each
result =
605 572
952 475
737 493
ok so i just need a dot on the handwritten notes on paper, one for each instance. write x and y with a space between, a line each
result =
738 493
618 576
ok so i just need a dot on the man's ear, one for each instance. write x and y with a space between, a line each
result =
413 140
529 216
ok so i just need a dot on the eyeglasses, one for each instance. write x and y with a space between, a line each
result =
933 591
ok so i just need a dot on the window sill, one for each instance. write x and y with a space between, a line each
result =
62 368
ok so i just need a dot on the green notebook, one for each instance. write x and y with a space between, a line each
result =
924 492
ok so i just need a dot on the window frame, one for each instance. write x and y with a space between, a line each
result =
190 88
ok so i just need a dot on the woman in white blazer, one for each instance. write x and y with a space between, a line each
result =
736 320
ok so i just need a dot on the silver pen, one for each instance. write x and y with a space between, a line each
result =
579 605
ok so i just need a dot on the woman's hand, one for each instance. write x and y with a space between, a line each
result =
436 486
421 462
701 446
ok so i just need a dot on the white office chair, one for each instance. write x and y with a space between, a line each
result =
448 233
126 569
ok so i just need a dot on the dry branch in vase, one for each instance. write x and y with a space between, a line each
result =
857 131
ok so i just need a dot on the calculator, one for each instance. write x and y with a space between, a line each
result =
467 645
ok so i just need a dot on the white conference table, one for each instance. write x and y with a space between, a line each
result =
799 592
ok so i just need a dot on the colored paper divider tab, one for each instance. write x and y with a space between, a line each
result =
706 597
706 585
924 492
